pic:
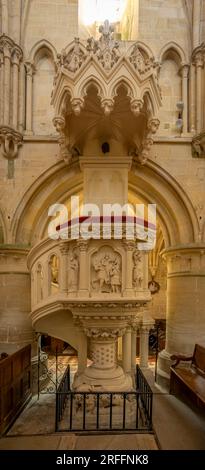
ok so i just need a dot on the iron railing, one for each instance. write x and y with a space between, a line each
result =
62 394
146 394
104 411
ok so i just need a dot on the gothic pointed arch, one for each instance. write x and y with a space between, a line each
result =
152 183
42 45
179 54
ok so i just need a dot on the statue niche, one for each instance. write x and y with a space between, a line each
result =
106 271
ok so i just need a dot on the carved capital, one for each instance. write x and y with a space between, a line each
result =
185 71
10 140
198 146
30 69
107 105
199 60
64 247
6 45
82 245
17 55
129 245
136 106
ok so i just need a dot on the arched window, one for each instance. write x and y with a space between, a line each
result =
53 277
171 86
43 112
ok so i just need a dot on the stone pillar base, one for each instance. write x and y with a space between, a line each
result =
112 380
163 369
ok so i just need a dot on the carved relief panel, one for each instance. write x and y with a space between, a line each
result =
106 271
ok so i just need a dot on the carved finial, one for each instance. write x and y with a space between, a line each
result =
106 29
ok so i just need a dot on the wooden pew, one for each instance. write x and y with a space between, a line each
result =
189 382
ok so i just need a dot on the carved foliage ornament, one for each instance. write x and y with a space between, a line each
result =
107 52
104 333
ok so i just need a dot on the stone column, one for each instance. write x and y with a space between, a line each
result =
144 346
193 99
83 268
199 105
119 349
7 80
22 89
185 75
185 324
15 101
29 97
82 351
64 268
104 374
133 351
126 351
129 246
15 294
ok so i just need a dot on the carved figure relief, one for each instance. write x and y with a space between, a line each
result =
139 62
106 271
73 268
137 270
72 60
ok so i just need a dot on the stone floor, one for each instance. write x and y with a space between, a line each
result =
77 442
175 424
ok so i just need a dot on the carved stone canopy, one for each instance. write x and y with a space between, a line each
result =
106 88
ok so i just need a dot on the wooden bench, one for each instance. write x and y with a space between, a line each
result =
189 382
